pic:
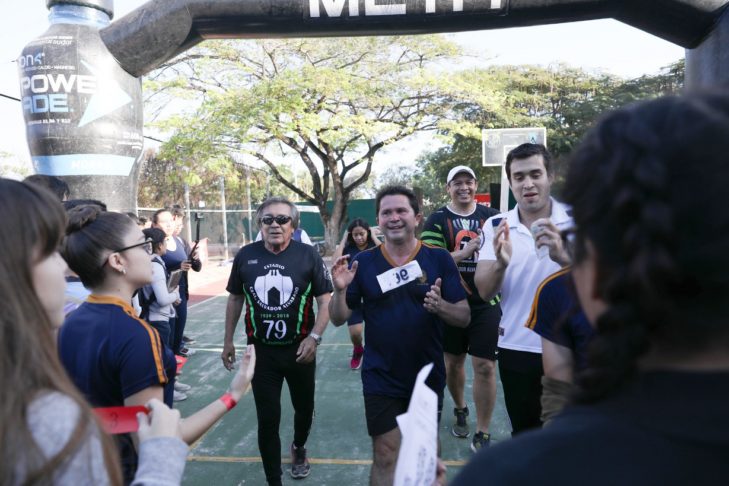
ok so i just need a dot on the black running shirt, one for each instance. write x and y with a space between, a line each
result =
279 290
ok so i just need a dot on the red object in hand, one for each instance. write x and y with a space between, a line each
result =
119 420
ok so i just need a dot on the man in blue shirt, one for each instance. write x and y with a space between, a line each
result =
407 291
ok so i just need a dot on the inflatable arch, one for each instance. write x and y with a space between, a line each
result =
80 80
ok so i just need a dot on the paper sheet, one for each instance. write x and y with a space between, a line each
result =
418 458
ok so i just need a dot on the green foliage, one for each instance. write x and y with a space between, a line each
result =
316 112
565 100
328 105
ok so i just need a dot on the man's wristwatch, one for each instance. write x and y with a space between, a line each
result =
315 337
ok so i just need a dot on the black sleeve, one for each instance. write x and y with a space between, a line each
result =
235 284
321 280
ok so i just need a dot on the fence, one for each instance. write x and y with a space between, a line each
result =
230 228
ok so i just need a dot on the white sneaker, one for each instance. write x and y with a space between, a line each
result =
181 387
178 396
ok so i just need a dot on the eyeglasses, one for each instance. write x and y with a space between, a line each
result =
280 220
569 241
146 244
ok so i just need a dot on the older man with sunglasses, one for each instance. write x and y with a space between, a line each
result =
277 280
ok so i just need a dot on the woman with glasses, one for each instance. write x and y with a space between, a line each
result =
114 357
48 433
651 270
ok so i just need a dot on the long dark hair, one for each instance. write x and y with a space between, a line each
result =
359 223
662 246
29 363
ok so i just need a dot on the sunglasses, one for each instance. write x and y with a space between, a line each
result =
280 220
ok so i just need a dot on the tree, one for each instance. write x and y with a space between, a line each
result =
163 180
565 100
330 104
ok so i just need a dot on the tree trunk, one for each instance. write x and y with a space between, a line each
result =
333 227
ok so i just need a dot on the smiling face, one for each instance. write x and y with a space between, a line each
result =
49 283
531 184
277 235
397 219
462 190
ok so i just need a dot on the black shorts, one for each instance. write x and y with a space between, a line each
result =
481 336
381 412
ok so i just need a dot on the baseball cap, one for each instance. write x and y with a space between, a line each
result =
457 170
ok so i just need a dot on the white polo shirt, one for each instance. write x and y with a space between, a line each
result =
523 275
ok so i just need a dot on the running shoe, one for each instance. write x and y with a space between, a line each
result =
300 466
186 352
356 362
480 441
178 396
188 340
181 387
460 427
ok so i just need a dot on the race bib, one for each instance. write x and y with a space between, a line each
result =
399 276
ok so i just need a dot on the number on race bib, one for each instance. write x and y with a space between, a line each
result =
402 275
278 328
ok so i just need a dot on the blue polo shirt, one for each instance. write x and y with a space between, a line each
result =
401 335
111 354
556 316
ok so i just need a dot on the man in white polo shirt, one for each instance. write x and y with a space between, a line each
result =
521 248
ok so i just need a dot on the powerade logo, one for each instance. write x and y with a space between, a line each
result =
50 92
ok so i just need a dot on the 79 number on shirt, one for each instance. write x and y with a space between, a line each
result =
278 328
402 275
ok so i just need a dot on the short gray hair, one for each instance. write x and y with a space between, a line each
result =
278 200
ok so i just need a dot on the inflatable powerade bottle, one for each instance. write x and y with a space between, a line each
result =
83 113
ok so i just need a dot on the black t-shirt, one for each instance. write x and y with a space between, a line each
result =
453 231
279 290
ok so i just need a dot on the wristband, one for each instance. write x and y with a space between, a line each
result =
228 400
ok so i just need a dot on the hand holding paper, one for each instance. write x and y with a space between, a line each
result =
417 462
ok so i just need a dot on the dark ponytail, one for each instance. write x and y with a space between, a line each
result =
91 234
662 252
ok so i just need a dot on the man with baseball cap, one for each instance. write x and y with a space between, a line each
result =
456 227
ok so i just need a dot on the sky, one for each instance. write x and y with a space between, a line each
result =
600 45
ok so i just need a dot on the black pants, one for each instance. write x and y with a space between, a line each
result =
163 328
521 374
274 364
178 327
